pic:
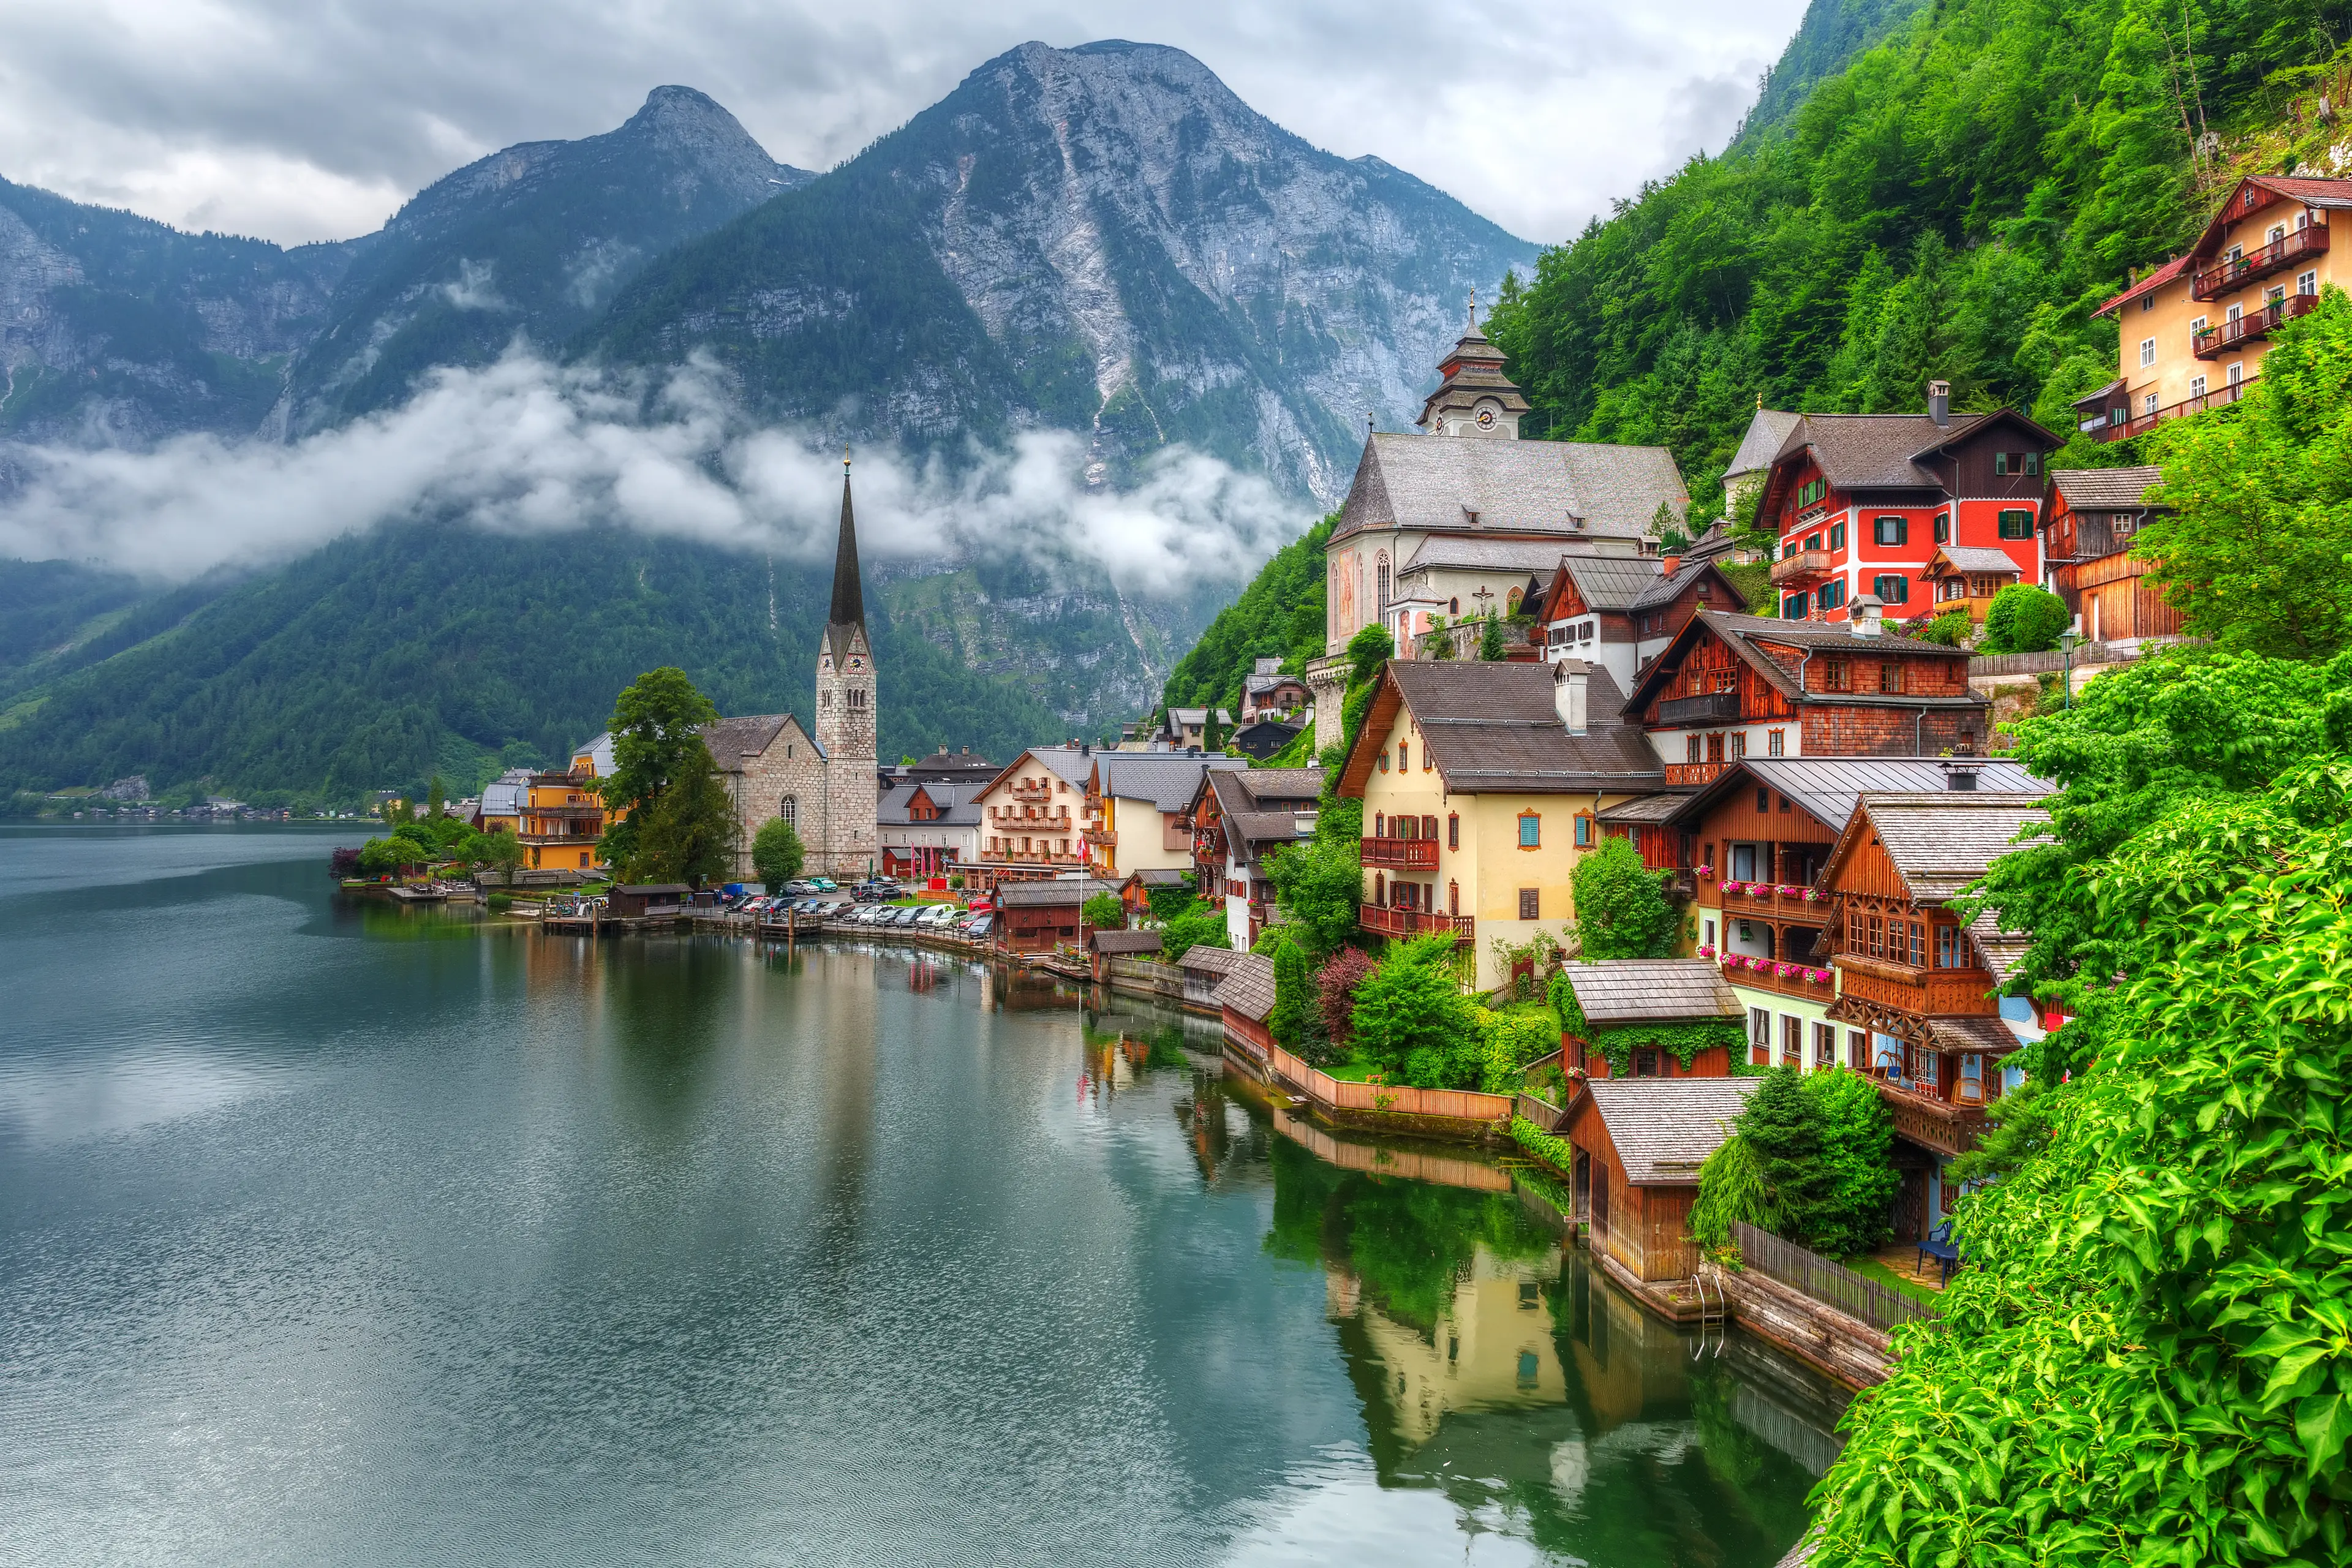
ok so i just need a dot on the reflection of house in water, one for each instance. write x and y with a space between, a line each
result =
1491 1349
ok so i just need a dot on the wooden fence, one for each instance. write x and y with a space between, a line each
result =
2089 653
1865 1301
1340 1094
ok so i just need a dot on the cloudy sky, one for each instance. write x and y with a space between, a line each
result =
301 119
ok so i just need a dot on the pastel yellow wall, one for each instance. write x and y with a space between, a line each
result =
2167 319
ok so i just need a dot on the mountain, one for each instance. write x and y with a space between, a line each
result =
535 239
1103 240
1832 34
1953 203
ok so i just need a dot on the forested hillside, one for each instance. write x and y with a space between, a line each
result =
381 659
1280 613
1953 204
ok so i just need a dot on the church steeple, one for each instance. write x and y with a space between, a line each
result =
1474 398
848 595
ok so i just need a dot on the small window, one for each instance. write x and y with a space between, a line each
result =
2148 405
1837 536
1948 948
2147 350
2147 301
1384 761
1812 541
1452 830
1531 830
1942 528
1776 743
1892 588
1891 530
2306 282
1832 593
1530 904
1890 676
1586 834
2016 524
1690 749
1645 1062
1404 757
1760 1037
1763 800
1738 744
1792 607
2196 386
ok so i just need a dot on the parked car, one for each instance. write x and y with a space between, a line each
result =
978 929
824 884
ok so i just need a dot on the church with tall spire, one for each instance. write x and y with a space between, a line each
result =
822 777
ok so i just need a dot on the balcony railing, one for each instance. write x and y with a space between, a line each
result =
2215 281
1798 982
1706 708
1923 993
1402 854
2214 342
1692 772
1933 1123
1101 838
2122 424
1800 565
1412 922
1773 900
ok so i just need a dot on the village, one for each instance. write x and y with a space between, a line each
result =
1770 749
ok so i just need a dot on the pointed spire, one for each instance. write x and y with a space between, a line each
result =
848 595
1473 313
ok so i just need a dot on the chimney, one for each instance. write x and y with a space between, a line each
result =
1960 777
1670 564
1568 693
1868 616
1939 402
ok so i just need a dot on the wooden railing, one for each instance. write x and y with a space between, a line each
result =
1402 854
1412 922
2215 281
1692 773
1706 707
1829 1283
1923 993
1800 982
2214 342
1379 1160
1773 900
2121 424
1798 565
1932 1123
1342 1094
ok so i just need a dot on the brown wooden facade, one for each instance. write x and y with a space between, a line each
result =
2101 580
1646 1228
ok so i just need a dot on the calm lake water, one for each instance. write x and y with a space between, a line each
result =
332 1232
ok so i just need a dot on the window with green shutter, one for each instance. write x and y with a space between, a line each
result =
2017 524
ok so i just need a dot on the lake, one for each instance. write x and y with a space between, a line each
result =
337 1232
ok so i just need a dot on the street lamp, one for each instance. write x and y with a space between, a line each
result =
2066 641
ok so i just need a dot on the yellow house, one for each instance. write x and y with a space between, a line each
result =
562 818
1483 784
2194 331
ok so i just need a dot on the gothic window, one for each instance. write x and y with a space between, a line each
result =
1380 572
790 810
825 698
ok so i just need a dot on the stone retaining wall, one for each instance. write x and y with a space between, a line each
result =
1844 1348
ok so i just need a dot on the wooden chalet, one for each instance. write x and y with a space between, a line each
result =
1621 612
1103 946
1638 1145
1622 994
2095 515
1241 819
1914 975
1040 915
1966 577
1730 686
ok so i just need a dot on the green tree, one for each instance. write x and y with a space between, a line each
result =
436 800
656 739
1411 1016
503 852
1621 910
1851 1214
1168 899
1368 650
1201 924
1213 734
1782 1126
2024 617
2252 551
1296 1022
690 832
1490 639
1104 911
777 854
1318 886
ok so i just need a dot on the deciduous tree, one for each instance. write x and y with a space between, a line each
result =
1621 910
656 725
777 853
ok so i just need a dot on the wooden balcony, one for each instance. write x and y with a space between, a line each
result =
2276 256
1801 565
1799 984
1932 1123
1402 854
1101 838
1976 605
2122 424
2215 342
1706 708
1922 993
1692 772
1765 901
1412 922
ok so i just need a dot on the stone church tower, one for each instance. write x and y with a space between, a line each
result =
847 842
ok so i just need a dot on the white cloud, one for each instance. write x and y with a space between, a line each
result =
300 123
526 446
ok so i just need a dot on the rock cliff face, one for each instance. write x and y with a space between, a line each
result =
1103 240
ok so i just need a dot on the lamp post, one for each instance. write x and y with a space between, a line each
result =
2066 641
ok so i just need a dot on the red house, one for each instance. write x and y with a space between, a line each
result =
1861 502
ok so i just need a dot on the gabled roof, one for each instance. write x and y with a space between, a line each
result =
733 739
1068 763
1609 581
1169 780
1050 892
1663 806
1496 728
1203 959
1248 985
1885 451
1435 482
1264 828
1650 991
1665 1128
1765 433
2308 192
599 752
1126 941
2156 280
1751 637
959 803
2106 489
1982 559
1827 788
1259 789
1938 842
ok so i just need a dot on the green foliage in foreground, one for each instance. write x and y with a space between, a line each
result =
1104 911
1621 904
1202 923
1411 1018
2149 1360
1732 1190
690 832
1557 1152
1813 1161
655 724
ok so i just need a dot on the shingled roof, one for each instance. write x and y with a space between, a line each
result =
1530 556
1496 727
1440 483
1168 780
1126 941
1049 892
1938 842
1248 985
1751 638
733 739
1650 991
1767 432
2106 489
1665 1128
1982 559
1829 787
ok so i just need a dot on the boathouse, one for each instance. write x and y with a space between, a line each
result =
647 900
1638 1145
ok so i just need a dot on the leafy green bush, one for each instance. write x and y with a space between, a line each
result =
1318 885
1201 924
1557 1152
1168 899
1512 1038
1621 904
1949 629
1857 1140
1411 1018
1297 1021
1104 911
777 854
2024 617
1731 1189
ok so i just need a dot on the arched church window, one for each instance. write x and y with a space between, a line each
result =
789 808
1380 574
825 698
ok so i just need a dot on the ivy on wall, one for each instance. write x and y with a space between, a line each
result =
1617 1044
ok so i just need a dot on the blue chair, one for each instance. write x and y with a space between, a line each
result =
1939 1245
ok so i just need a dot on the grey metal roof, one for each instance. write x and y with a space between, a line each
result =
959 803
1068 763
1050 892
1650 989
1157 876
1828 787
1248 985
505 797
1167 782
600 753
1126 941
2106 489
1529 555
1436 482
1981 558
1611 582
1665 1128
1264 789
1766 433
1940 843
1496 728
1259 827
